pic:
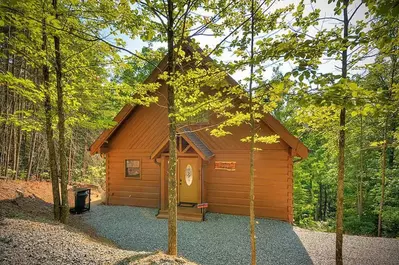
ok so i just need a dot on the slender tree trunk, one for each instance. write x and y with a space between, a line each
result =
172 188
325 204
340 189
12 138
7 136
84 162
18 140
61 125
49 131
20 135
7 161
42 159
391 149
70 162
312 197
31 155
360 183
15 134
320 202
383 170
393 121
341 149
385 145
252 144
15 149
17 152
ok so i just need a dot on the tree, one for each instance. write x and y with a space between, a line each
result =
74 68
61 122
173 22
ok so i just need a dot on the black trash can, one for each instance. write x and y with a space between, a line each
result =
80 201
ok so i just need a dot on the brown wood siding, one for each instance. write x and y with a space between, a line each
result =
228 191
233 142
132 191
106 178
290 197
144 129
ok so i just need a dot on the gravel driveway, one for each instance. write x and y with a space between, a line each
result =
223 239
26 242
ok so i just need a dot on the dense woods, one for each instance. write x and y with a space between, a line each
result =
65 71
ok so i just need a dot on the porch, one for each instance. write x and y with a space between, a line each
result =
193 214
192 158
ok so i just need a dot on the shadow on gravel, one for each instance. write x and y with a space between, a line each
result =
221 239
135 258
27 208
35 209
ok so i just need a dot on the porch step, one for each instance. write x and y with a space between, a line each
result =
181 215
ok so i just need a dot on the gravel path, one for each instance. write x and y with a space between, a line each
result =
223 239
27 242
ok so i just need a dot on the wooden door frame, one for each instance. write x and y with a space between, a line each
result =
164 157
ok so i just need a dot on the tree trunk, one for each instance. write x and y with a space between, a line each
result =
340 189
84 162
383 170
31 155
42 158
252 144
360 182
393 122
4 144
320 215
17 152
70 162
61 125
385 150
12 134
312 197
49 131
15 141
325 204
7 160
172 189
18 138
341 149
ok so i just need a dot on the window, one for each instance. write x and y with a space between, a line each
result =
133 168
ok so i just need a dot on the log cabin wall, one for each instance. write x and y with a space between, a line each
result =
225 191
228 191
136 138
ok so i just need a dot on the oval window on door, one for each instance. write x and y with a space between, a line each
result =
189 175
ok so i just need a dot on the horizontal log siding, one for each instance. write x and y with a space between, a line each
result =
130 191
290 199
228 192
233 141
144 129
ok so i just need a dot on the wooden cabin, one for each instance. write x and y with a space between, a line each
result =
212 172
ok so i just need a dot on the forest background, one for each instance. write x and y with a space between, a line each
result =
106 55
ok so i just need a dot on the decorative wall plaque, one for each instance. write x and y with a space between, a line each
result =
225 165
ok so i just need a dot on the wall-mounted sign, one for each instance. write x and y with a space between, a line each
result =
225 165
202 205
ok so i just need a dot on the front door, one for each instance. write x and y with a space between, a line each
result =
189 180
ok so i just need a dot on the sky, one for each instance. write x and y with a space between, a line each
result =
327 10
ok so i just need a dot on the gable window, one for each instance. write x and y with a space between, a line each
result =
132 168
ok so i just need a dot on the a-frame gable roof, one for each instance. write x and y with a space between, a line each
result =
193 140
298 148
